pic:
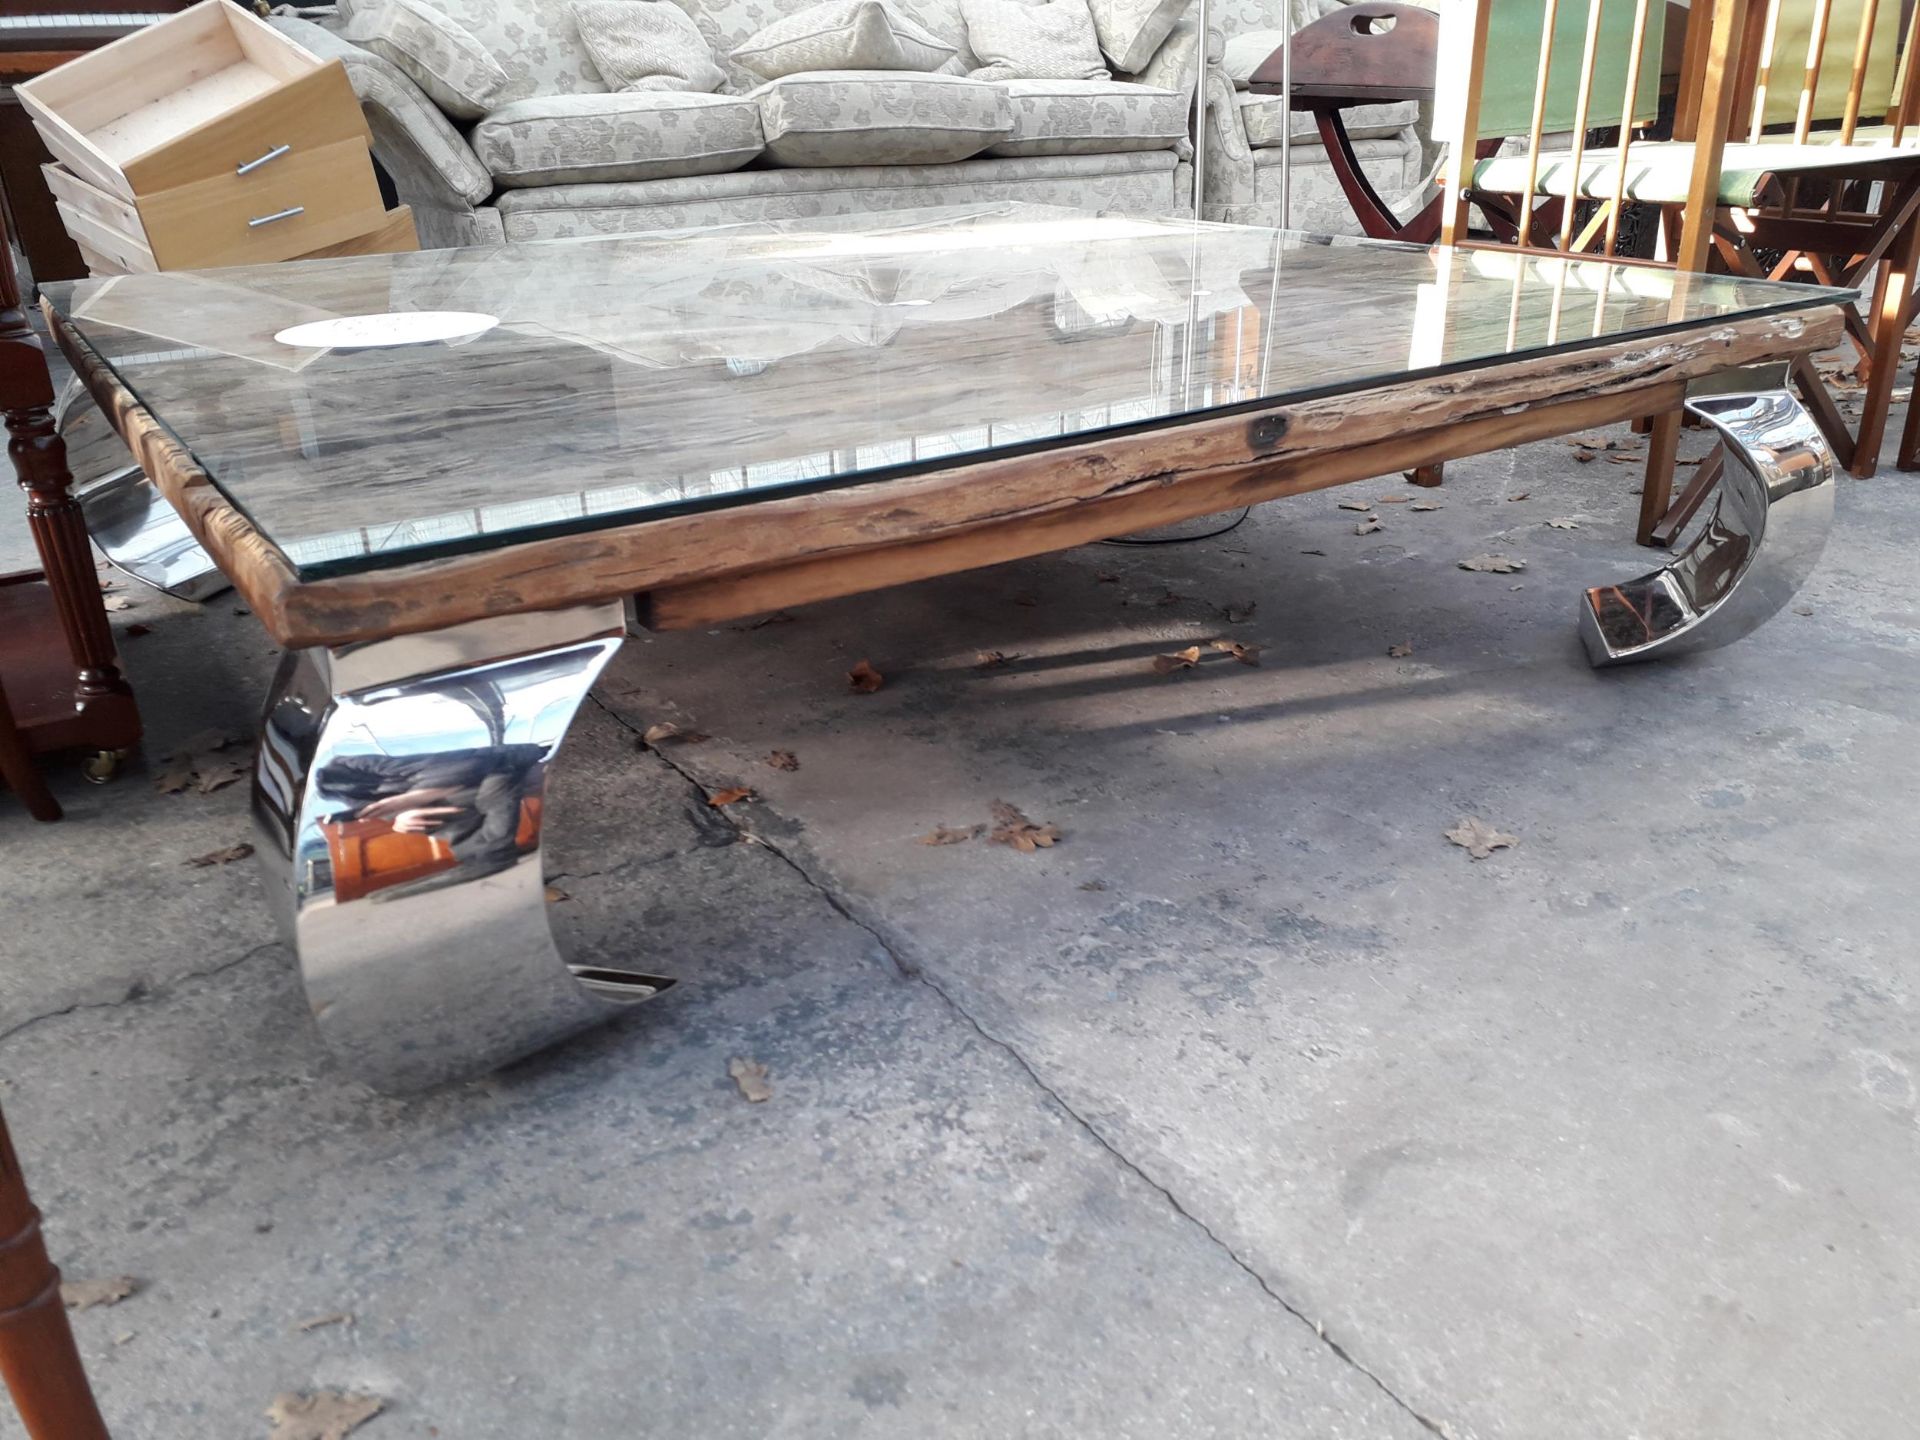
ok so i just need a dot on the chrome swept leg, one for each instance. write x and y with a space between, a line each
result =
400 791
1767 529
141 534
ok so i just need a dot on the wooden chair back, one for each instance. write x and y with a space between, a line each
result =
1610 72
1805 62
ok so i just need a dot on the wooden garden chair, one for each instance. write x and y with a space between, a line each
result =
1788 200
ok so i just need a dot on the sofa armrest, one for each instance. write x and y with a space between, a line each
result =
1174 65
1229 179
432 166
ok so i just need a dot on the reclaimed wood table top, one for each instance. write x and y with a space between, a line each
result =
729 420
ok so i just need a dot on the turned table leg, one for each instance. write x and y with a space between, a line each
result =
102 700
38 1359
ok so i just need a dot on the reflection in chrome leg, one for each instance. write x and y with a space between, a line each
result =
140 533
1767 529
400 790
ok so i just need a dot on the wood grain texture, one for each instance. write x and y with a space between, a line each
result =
38 1358
1061 495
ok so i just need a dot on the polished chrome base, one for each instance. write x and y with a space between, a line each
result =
400 791
1761 541
142 535
132 524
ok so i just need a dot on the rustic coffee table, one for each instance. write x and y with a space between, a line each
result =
446 482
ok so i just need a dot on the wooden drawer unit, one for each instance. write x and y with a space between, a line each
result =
204 93
206 139
305 200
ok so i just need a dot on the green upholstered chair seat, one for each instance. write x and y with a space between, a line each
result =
1658 170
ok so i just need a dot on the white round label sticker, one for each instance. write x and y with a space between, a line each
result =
373 332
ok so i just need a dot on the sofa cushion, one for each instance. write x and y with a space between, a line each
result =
1132 30
842 35
638 45
1266 123
440 55
535 41
634 135
1017 41
1247 52
1090 117
853 117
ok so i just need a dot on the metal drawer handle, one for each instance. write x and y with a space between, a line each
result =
252 165
286 214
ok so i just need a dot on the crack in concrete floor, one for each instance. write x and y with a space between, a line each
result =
892 949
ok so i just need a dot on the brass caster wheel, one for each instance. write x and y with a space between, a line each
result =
103 765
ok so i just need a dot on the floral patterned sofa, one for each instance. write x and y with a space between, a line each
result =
564 154
1245 132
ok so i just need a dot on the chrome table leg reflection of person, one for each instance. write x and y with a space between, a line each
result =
1756 548
400 790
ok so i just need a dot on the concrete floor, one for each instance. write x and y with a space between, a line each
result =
1252 1108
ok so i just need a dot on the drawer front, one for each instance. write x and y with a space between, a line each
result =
315 110
395 236
299 201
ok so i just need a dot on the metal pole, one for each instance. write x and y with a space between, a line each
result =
1200 110
1286 122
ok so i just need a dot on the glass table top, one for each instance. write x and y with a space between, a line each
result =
472 398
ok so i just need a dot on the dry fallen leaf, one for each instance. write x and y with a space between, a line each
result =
1313 552
1426 505
118 602
136 630
174 779
783 760
666 730
1494 564
1622 459
85 1294
1395 499
1356 504
555 895
991 660
1239 613
1245 654
751 1077
731 796
212 775
1400 651
323 1415
220 857
1010 827
1368 525
1478 838
1521 496
1180 660
865 679
1583 457
320 1322
1563 523
950 835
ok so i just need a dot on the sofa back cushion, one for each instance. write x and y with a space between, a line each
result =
726 23
535 41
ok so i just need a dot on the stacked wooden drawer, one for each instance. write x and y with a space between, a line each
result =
209 139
